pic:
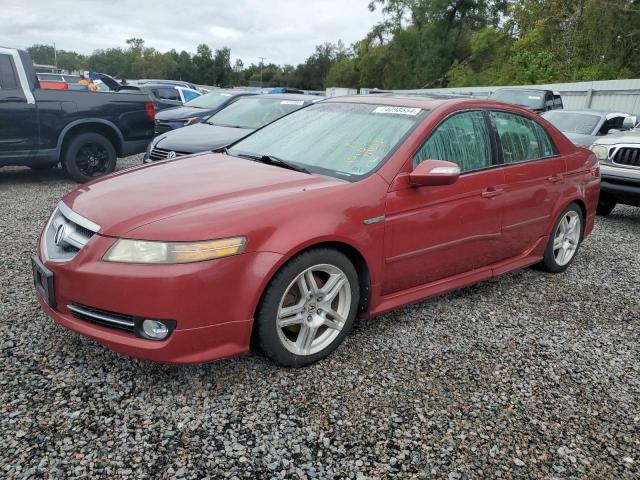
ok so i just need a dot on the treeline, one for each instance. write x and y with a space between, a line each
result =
420 44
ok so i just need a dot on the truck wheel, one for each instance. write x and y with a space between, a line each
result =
89 155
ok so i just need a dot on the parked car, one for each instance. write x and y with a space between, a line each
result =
82 130
175 83
532 99
225 127
196 110
619 156
350 207
168 96
583 127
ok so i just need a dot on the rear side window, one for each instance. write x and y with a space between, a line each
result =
521 139
462 139
7 74
168 94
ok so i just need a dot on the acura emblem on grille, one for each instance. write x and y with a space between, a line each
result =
171 154
60 234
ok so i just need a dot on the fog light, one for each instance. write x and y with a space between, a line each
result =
155 329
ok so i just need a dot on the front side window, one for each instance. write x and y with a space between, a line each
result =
462 139
254 112
521 139
345 140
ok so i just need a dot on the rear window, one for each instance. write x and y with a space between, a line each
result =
7 74
582 123
525 98
254 112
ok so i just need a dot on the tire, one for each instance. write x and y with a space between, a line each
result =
286 317
89 155
560 253
605 206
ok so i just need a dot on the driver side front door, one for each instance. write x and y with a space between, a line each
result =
435 233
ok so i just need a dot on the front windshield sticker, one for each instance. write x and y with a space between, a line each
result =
534 98
292 102
225 94
398 110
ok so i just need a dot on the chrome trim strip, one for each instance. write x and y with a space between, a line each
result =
98 316
371 221
77 219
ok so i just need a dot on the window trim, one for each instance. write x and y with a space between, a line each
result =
501 154
495 160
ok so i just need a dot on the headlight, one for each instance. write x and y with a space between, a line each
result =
191 121
601 152
141 251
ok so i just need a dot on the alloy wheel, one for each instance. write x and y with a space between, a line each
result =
92 159
314 309
567 238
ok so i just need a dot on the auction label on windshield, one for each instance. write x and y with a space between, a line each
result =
398 110
292 102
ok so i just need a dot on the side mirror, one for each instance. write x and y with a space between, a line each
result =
629 123
434 172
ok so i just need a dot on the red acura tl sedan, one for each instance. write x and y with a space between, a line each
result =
350 207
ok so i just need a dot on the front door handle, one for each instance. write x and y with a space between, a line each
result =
555 178
491 192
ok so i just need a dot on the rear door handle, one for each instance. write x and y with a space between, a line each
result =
555 178
491 192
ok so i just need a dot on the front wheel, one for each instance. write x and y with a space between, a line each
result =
564 240
308 308
89 155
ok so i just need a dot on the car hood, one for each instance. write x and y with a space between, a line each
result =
201 137
621 137
181 113
581 139
202 197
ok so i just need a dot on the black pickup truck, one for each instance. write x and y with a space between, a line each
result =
83 131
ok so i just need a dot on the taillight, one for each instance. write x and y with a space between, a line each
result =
151 112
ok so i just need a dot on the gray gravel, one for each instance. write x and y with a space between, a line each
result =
527 376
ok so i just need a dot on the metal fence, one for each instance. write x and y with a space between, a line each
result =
621 95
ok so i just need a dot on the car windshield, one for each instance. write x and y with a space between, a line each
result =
339 139
210 100
254 112
582 123
526 98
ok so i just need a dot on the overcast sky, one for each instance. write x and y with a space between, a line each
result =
284 31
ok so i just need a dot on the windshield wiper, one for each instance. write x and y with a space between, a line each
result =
278 162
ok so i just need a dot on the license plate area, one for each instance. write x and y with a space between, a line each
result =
43 281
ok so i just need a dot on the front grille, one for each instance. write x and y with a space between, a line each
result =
103 318
163 154
66 234
627 156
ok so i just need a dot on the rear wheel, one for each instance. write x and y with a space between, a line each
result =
564 241
89 155
308 308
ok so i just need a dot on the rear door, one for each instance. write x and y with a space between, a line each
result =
18 117
434 233
534 180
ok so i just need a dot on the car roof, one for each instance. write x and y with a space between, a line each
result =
602 113
425 103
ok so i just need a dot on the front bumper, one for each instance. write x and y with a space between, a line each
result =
621 184
212 302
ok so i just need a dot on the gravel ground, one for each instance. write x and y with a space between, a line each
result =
527 376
